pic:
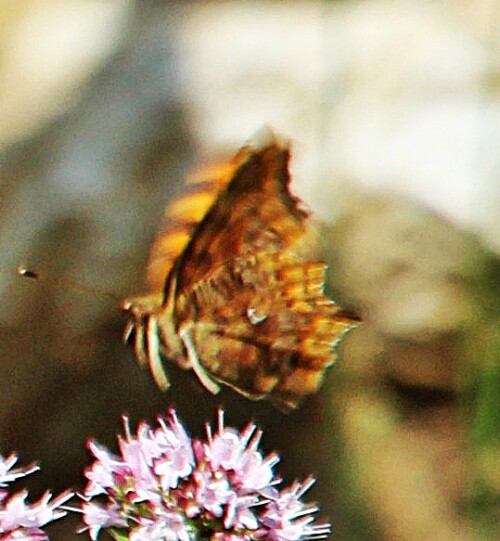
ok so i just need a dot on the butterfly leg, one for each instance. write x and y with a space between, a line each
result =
147 348
137 331
202 374
153 353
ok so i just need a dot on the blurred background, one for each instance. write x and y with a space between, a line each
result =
393 111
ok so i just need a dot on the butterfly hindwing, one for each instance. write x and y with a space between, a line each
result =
265 328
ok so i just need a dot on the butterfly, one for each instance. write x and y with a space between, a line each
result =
233 299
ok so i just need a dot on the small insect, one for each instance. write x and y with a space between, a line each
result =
232 300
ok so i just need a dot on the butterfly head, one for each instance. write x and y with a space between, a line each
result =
138 310
151 331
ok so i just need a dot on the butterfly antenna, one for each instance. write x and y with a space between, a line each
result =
33 275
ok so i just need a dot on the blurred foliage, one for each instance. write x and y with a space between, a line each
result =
481 366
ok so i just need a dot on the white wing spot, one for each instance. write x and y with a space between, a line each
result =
254 318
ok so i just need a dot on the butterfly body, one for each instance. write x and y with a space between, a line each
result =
239 306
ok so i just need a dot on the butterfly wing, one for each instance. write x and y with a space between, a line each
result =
265 328
255 212
184 214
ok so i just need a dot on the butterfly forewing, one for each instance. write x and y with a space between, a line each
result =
184 214
240 306
254 213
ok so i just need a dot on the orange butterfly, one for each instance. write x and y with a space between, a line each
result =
235 302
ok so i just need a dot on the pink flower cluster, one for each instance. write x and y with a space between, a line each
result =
20 521
166 486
